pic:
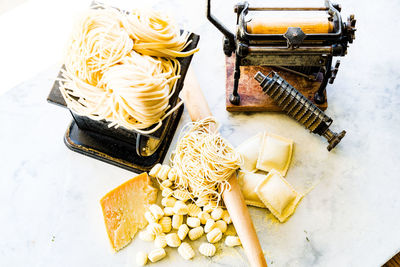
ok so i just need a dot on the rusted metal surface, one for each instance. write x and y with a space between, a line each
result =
253 98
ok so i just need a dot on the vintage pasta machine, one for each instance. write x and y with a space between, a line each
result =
298 42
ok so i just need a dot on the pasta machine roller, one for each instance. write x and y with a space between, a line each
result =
299 107
299 40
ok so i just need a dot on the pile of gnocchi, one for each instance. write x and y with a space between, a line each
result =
179 219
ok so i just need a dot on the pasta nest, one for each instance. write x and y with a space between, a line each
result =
204 160
122 68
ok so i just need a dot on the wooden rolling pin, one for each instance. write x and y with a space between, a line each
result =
280 24
234 201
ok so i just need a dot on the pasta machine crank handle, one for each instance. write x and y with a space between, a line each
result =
234 98
229 37
297 106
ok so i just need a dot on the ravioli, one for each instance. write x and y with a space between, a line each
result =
249 151
278 195
248 182
275 153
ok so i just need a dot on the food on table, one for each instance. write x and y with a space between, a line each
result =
249 151
278 195
121 67
186 251
196 233
207 249
141 258
275 153
248 182
232 241
124 208
214 235
173 240
157 254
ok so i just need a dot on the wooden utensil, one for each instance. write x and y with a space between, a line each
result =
198 109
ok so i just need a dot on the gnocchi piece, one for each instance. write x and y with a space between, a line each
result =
160 241
193 210
166 183
173 240
172 175
207 249
183 231
180 208
168 202
163 173
232 241
226 217
196 233
154 228
177 221
150 217
154 171
146 236
202 201
210 206
157 254
193 222
166 192
214 236
168 211
156 210
186 251
210 225
181 195
141 258
216 214
203 216
166 224
221 225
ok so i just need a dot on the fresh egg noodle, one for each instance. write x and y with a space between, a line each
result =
122 68
204 160
157 35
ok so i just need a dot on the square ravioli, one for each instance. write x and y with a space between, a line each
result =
275 153
278 195
249 151
248 182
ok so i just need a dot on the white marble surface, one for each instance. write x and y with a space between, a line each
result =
49 195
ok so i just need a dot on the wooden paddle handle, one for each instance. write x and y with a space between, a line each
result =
241 219
194 99
198 109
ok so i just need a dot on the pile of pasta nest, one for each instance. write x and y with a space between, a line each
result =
180 220
122 68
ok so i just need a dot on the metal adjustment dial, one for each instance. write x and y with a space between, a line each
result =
350 26
294 36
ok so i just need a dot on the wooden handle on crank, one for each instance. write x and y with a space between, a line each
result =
234 201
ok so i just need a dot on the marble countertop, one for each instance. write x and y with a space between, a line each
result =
49 195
